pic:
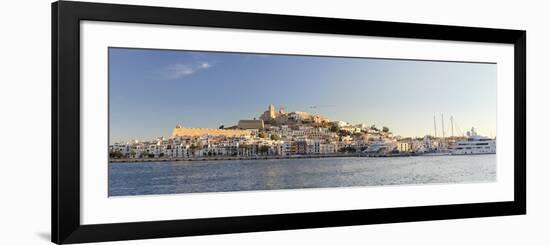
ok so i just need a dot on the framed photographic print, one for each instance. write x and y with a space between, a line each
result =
176 122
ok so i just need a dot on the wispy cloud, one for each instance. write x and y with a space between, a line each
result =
182 69
204 65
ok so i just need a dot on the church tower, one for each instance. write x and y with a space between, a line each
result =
269 114
271 110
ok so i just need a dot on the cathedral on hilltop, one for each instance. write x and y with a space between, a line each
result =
271 116
246 126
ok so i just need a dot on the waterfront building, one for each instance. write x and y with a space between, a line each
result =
327 148
301 147
313 147
122 148
404 147
284 148
177 150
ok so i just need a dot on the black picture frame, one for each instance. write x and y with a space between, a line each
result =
65 168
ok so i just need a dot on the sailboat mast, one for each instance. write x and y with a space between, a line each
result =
442 126
435 128
452 128
442 131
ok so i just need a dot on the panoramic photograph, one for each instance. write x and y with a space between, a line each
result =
185 121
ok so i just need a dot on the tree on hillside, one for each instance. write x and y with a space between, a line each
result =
344 133
385 129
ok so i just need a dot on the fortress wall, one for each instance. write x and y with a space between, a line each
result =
178 132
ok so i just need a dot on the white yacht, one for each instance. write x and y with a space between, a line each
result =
474 144
379 146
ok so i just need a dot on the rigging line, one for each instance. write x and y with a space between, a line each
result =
458 127
449 127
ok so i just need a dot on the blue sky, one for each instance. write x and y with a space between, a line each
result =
150 91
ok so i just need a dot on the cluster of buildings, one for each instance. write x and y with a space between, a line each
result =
275 133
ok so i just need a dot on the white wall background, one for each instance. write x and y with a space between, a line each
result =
25 123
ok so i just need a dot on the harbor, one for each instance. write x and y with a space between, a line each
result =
228 158
297 135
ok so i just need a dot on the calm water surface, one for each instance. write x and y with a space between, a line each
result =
241 175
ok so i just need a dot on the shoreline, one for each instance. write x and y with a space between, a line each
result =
235 158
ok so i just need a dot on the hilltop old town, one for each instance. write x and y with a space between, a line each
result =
277 134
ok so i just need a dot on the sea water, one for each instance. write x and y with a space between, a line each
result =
145 178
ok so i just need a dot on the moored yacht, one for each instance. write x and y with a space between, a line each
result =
379 146
474 144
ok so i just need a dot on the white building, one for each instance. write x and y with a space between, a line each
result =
313 147
404 146
328 148
340 123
